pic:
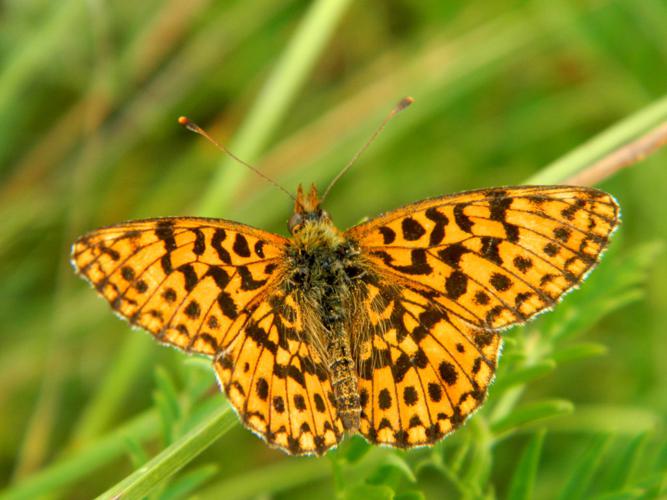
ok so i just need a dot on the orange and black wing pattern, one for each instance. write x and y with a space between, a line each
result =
213 287
190 282
453 271
277 381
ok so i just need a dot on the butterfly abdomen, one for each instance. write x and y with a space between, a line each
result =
344 380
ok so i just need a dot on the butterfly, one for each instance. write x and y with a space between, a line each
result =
389 329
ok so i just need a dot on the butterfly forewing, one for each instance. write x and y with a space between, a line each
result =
188 281
494 257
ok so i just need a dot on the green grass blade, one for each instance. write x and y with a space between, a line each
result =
523 480
604 143
626 464
530 413
273 103
87 460
169 461
582 473
275 478
525 375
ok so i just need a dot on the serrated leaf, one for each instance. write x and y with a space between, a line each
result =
582 473
531 413
523 480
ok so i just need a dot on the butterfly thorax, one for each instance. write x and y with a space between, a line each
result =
324 269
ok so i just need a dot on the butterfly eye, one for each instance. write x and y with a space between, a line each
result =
295 223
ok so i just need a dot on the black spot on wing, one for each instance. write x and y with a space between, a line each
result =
165 231
412 230
384 399
500 282
259 249
456 285
240 246
192 310
127 273
419 265
216 242
438 231
388 235
227 305
461 219
247 280
490 250
451 255
200 244
190 276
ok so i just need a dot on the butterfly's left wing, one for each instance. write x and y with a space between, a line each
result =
453 270
212 287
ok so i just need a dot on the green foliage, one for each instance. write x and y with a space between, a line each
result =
523 480
90 93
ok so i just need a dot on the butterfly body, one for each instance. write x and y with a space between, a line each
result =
389 329
324 271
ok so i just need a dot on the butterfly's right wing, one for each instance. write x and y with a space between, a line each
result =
451 272
191 282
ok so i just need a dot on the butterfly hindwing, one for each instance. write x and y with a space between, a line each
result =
277 382
188 281
422 371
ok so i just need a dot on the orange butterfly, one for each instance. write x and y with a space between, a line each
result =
389 329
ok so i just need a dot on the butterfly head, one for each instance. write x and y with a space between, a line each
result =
307 211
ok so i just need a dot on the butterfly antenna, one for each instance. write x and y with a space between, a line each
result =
193 127
402 104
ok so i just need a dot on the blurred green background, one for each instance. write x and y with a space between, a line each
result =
89 97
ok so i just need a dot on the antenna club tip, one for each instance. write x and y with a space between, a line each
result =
184 120
404 103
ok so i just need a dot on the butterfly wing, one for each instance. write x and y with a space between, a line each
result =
188 281
422 370
211 286
453 271
277 381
